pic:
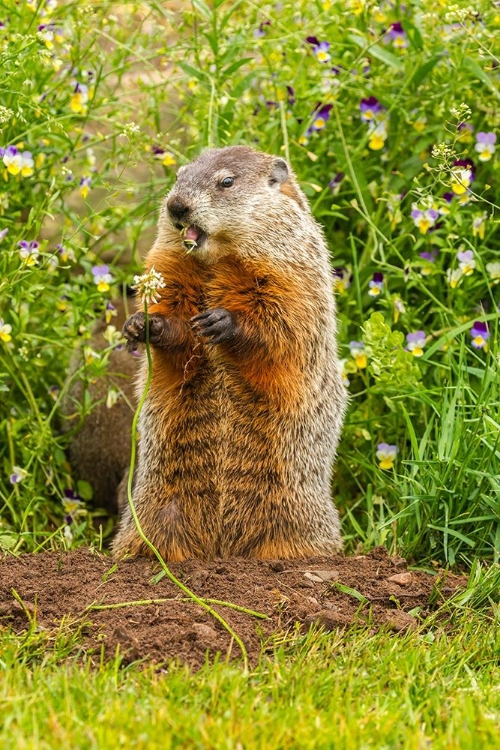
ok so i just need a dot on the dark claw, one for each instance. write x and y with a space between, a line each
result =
210 315
217 325
134 329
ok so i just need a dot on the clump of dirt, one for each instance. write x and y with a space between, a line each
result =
333 592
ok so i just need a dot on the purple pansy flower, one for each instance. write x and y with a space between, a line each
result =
17 162
54 391
320 49
102 278
376 284
465 130
369 108
485 145
429 256
29 251
261 30
17 475
335 182
386 455
342 279
467 262
416 343
73 505
480 335
321 116
424 219
397 35
85 186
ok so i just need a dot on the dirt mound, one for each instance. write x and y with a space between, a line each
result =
333 592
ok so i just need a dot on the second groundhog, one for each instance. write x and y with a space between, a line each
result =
239 430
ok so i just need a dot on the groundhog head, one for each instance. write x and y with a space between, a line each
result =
226 194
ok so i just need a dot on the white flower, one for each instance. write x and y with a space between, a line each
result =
5 331
148 285
494 270
454 277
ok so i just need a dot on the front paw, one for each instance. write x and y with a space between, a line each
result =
218 325
134 330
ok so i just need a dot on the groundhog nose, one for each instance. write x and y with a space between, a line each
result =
177 208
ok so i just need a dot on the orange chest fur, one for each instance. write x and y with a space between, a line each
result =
239 286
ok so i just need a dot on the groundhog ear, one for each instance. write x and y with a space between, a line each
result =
279 172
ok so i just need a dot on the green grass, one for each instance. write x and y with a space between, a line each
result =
437 686
340 690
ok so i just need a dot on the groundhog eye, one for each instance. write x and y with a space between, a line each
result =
227 182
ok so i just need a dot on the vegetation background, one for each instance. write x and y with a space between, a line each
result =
389 115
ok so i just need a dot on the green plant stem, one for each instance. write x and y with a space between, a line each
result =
190 594
139 602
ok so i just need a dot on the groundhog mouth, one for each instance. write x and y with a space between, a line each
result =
192 237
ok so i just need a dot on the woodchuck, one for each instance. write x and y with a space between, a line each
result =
240 427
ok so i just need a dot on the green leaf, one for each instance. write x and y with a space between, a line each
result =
194 72
8 541
84 489
423 71
226 18
203 9
375 50
243 85
414 35
350 592
234 67
478 71
467 540
157 578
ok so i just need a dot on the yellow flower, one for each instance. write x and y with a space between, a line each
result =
357 6
168 160
479 342
376 142
90 355
386 455
420 124
357 351
386 463
77 104
460 180
361 361
378 15
454 277
5 330
479 226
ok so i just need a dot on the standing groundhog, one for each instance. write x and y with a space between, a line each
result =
239 430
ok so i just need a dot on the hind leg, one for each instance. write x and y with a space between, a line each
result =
165 526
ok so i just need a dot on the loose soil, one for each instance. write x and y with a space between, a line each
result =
333 592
